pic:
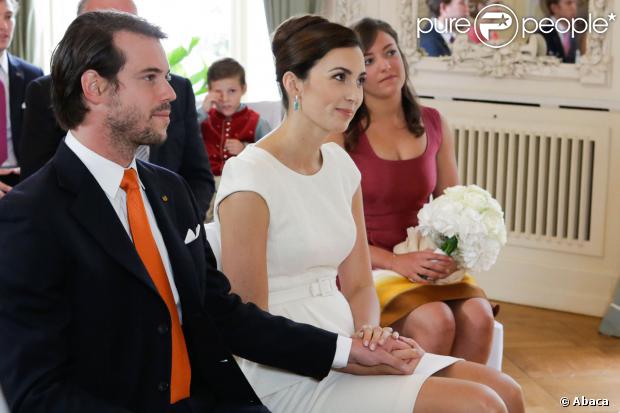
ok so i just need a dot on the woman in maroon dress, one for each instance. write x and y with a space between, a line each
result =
405 153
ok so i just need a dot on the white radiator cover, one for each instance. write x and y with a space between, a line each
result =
551 170
552 184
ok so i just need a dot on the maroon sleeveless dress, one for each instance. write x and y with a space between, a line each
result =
393 192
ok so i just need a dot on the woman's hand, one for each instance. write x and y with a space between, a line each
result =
423 267
399 356
371 336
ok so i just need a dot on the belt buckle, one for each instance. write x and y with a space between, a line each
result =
325 286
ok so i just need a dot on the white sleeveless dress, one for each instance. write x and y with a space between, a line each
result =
311 231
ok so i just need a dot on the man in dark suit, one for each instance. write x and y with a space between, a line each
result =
183 152
15 74
109 297
562 45
435 40
434 43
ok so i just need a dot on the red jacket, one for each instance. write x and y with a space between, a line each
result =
217 128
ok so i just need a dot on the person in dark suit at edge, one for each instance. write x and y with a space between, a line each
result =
183 152
15 74
436 40
110 301
563 45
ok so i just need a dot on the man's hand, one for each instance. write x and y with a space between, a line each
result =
396 356
4 188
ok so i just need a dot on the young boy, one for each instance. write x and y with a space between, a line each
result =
226 124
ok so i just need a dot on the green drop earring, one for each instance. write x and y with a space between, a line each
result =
296 103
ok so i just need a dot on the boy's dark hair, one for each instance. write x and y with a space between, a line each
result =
88 44
225 68
433 6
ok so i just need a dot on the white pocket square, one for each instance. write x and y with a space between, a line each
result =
191 235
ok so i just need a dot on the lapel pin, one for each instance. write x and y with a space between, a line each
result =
164 198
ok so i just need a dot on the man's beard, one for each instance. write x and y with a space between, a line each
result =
122 124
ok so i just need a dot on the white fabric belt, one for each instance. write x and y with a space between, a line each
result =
321 287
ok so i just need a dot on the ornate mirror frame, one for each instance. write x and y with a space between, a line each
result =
593 68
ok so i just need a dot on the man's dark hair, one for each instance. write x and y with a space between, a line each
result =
434 5
548 4
88 44
224 69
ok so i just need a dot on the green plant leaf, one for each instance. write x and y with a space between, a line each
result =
176 55
195 40
202 90
199 76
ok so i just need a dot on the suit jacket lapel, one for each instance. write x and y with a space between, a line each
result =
180 259
92 209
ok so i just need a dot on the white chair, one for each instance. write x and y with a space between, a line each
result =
497 347
271 111
213 237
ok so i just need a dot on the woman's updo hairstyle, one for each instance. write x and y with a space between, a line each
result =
299 42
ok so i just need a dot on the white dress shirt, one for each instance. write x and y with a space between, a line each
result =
109 175
11 160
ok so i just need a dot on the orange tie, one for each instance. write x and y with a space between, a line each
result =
147 250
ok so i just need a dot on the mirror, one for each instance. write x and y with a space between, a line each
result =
515 38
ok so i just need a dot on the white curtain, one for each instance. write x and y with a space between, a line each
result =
50 20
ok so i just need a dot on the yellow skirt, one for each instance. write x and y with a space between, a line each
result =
398 296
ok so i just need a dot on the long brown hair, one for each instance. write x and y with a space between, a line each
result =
367 30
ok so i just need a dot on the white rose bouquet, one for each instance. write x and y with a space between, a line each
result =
467 224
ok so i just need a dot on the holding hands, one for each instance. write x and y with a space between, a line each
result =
371 336
423 267
378 350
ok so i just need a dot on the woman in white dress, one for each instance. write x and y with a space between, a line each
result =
290 214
